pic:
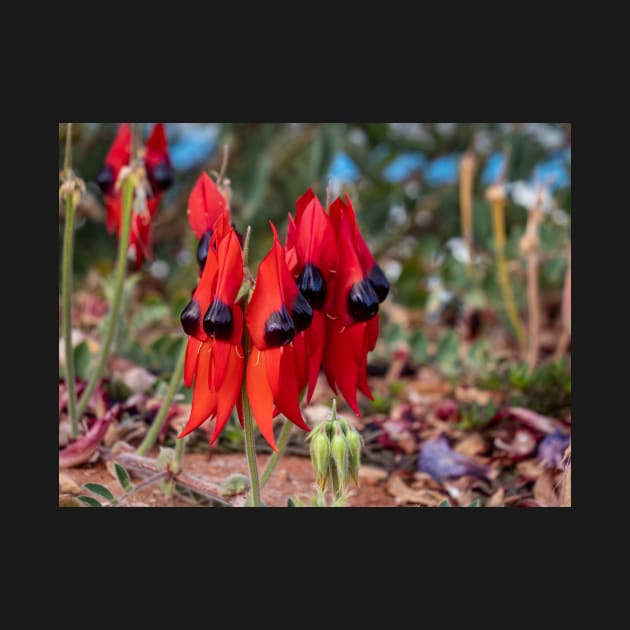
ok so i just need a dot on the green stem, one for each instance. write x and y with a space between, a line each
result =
179 455
66 283
123 246
250 449
283 438
156 427
498 227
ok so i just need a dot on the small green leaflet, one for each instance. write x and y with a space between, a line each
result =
123 478
97 488
89 500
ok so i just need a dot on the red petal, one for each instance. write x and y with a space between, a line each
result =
204 402
273 357
220 358
302 202
230 390
260 396
287 397
268 295
237 333
358 341
348 267
204 293
112 218
157 145
205 205
230 263
119 153
190 362
315 237
372 332
289 246
314 337
141 238
339 363
301 359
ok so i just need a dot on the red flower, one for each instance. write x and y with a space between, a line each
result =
159 175
352 326
214 323
276 312
205 204
311 257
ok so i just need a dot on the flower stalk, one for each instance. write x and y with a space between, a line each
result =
160 418
467 172
123 246
250 445
528 246
496 196
66 281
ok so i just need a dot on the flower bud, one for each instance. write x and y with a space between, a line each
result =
320 457
330 429
345 427
339 451
354 446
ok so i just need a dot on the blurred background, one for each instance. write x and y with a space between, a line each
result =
450 359
404 181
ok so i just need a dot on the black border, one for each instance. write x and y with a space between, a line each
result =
356 535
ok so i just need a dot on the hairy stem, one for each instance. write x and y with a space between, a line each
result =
497 201
160 418
66 284
250 449
283 438
123 246
467 171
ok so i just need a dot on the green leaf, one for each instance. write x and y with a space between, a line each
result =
290 502
123 478
82 360
394 334
89 500
97 488
474 503
419 343
444 503
447 351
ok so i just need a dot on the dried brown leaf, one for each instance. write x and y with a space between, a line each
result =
471 445
371 475
67 485
404 494
497 499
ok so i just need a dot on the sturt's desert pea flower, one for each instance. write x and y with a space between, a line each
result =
311 257
207 202
314 301
214 323
276 312
352 323
159 174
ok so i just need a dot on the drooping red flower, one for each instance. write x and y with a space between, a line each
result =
214 323
205 204
311 257
275 372
352 323
159 175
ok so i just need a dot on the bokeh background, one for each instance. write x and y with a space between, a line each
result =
403 179
449 378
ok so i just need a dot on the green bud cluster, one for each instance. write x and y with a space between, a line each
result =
335 453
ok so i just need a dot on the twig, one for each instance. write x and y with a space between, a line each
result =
143 484
528 245
467 171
